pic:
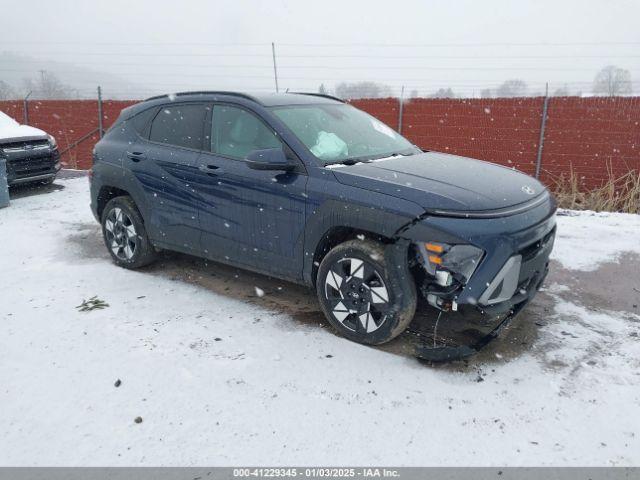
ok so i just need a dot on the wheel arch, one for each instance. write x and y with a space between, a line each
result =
347 213
338 234
107 193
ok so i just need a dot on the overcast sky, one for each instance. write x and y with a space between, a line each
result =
469 45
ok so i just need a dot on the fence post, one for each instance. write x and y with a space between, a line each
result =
543 123
100 130
275 68
25 109
400 110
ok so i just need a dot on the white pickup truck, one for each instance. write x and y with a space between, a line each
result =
31 154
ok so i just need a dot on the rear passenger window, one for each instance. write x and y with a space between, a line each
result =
180 125
235 132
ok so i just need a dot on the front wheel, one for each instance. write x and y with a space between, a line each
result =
124 234
358 295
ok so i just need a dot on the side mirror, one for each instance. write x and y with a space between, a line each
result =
269 159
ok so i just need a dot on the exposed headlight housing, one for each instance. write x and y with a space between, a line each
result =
460 261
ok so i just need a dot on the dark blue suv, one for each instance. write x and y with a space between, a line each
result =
307 188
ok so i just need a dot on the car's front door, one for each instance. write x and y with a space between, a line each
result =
249 217
165 165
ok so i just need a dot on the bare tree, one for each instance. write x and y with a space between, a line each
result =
612 81
322 89
363 90
512 88
443 93
561 92
48 87
7 92
486 93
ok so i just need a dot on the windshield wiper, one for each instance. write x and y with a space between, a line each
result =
393 154
368 159
348 161
406 153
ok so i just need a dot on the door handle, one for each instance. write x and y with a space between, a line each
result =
136 156
210 169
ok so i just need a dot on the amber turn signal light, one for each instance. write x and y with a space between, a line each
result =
434 247
435 259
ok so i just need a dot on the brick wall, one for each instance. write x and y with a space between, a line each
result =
592 136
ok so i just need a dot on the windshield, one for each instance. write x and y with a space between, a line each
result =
342 133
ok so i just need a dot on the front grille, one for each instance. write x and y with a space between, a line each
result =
535 258
532 250
29 158
18 147
30 167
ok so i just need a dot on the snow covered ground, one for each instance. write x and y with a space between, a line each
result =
222 381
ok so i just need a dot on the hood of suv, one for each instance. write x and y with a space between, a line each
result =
12 131
439 181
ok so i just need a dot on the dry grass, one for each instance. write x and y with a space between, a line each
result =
620 194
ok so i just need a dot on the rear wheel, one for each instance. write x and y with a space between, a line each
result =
124 234
358 295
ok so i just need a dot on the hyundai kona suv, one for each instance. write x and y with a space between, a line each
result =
307 188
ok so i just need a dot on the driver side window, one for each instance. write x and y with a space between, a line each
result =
235 132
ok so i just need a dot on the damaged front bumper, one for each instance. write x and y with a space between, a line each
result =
512 268
498 317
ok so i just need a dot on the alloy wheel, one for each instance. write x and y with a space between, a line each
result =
121 234
357 295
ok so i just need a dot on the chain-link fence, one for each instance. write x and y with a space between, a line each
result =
595 137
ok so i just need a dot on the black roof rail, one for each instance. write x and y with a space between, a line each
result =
323 95
205 92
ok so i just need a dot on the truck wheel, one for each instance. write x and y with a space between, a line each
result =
124 234
359 296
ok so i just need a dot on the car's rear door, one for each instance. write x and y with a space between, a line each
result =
164 163
249 217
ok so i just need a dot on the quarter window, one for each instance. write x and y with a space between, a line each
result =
235 132
180 125
141 120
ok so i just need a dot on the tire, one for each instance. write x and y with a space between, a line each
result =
362 297
124 234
